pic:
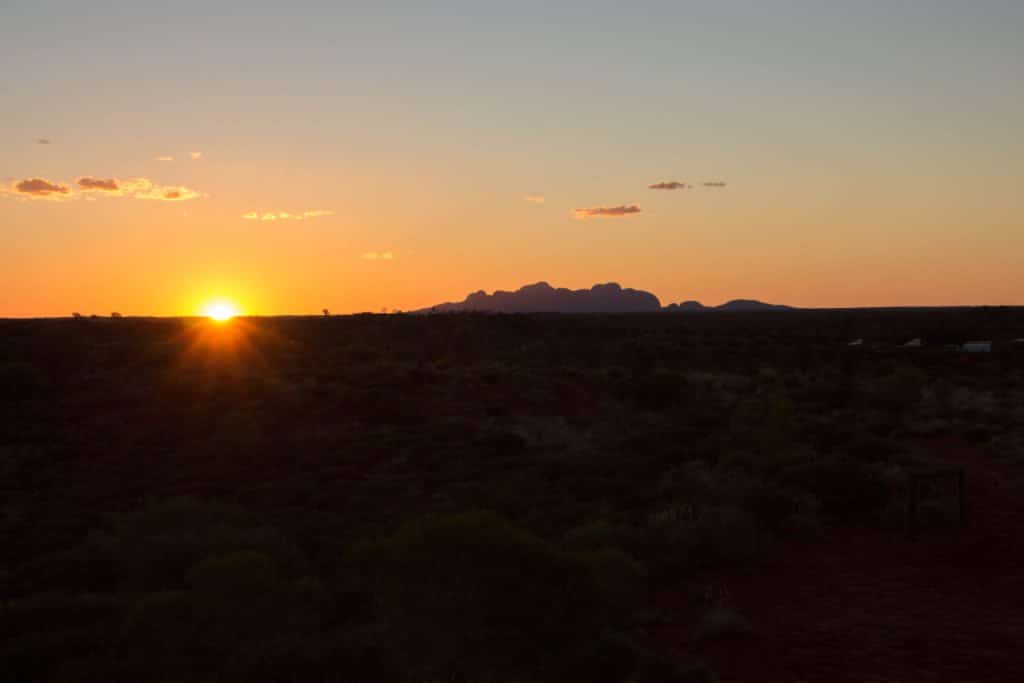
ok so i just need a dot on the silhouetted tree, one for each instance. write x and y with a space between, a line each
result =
327 313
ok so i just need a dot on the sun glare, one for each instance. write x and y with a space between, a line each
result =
220 311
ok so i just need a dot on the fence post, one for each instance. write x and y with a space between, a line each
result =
912 510
962 486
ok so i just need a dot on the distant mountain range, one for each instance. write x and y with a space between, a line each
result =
739 305
603 298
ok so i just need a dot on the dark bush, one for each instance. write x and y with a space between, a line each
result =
872 449
157 545
657 391
39 634
236 603
900 389
771 506
766 424
616 658
726 536
847 490
473 595
20 381
977 435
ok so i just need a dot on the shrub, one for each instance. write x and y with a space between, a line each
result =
20 381
472 594
619 579
726 535
236 603
901 389
159 625
39 613
39 635
157 545
872 449
672 544
802 527
85 567
611 658
597 535
665 549
977 435
657 391
766 424
847 490
658 669
721 623
771 506
334 657
616 658
238 573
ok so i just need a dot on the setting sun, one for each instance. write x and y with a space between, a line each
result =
220 311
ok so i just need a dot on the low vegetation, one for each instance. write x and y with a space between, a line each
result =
445 498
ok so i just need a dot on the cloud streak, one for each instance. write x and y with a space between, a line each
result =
163 158
103 184
38 188
534 199
680 185
140 188
607 211
375 256
269 216
91 187
167 194
44 141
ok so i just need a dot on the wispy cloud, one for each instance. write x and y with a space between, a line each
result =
607 211
285 215
89 187
680 185
102 184
44 141
37 188
377 256
167 193
143 188
534 199
195 155
163 158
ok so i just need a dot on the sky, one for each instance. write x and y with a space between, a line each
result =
289 157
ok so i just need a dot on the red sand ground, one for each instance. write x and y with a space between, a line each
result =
867 605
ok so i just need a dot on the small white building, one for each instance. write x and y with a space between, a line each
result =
977 347
856 342
914 343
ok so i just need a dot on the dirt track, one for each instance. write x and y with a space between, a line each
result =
866 605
